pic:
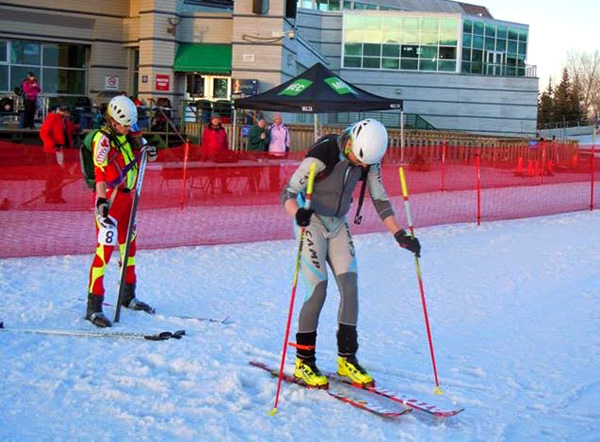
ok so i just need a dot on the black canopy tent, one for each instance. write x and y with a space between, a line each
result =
317 90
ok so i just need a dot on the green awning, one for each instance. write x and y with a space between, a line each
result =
204 58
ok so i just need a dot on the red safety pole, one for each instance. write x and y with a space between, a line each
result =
309 190
478 169
443 165
438 390
186 153
592 176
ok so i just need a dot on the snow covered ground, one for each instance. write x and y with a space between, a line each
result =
514 309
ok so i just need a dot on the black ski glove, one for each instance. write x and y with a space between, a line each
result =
101 208
408 242
303 216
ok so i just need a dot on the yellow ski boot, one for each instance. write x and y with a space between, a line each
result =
308 373
350 368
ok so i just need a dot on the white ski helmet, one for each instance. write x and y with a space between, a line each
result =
369 140
122 110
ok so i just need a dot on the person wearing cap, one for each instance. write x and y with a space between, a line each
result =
56 134
341 162
31 89
214 144
279 144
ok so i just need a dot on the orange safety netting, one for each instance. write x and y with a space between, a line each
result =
186 202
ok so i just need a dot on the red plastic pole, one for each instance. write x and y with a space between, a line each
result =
309 189
478 169
592 166
184 178
443 165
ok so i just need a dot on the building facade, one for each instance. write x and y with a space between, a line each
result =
452 63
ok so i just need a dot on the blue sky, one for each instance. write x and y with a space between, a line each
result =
555 27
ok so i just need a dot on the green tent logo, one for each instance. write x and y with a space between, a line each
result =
296 88
339 86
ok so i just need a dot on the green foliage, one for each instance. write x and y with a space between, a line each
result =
561 105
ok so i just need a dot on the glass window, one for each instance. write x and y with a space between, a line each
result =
502 31
391 23
371 22
3 51
409 51
466 54
358 5
410 23
478 28
334 5
18 74
305 4
522 48
522 35
25 52
409 64
410 37
449 38
489 44
477 42
3 78
371 62
476 67
321 5
512 34
220 87
351 62
429 38
392 36
467 40
501 44
352 22
468 27
371 50
428 52
390 63
64 81
371 6
447 53
391 50
490 30
466 67
195 85
512 47
430 24
347 4
353 49
68 56
427 65
448 24
477 55
447 65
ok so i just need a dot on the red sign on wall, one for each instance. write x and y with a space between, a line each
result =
162 82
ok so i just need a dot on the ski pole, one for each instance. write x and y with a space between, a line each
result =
130 226
438 390
309 190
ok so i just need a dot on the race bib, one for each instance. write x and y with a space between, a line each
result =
107 234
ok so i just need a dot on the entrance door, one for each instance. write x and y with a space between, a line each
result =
494 63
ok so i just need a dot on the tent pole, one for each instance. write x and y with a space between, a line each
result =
315 126
402 136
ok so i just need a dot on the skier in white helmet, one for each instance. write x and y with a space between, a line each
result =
115 173
341 162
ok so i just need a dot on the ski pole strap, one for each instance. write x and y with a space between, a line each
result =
358 217
126 169
302 347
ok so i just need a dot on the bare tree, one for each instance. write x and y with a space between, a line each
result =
586 67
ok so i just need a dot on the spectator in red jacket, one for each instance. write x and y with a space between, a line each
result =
215 143
31 90
56 134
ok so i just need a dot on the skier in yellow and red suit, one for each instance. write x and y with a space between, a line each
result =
116 173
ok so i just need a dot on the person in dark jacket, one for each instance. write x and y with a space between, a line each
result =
31 89
259 137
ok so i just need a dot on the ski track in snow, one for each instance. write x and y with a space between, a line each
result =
514 310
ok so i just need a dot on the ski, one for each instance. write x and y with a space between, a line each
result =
161 336
358 403
197 318
403 399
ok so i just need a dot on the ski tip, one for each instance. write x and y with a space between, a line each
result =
273 412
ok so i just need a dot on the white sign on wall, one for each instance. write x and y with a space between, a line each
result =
111 83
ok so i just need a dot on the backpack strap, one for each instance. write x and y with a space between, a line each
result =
357 216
